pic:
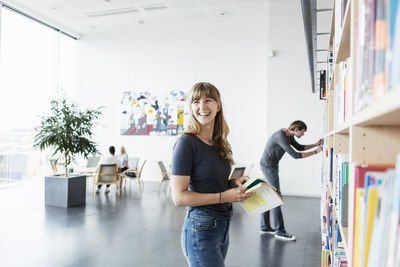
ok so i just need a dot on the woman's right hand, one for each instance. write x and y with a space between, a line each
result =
236 194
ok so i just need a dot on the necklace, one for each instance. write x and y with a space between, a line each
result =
209 141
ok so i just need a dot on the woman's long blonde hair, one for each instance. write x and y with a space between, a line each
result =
221 129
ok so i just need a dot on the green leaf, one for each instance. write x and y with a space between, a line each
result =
67 130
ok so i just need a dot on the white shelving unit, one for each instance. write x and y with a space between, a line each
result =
371 136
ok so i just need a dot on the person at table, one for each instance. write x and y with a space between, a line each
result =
124 159
111 159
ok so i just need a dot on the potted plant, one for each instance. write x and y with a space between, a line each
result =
67 131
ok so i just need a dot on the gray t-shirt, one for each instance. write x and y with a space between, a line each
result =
208 172
277 145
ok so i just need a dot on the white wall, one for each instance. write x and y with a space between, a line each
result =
290 97
231 53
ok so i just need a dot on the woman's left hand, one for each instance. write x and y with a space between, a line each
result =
240 181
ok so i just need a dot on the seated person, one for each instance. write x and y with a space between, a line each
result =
124 159
111 159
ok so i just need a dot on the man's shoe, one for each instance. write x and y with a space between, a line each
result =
268 231
285 236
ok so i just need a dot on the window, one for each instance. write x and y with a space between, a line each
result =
35 61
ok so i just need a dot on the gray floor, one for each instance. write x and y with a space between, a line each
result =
139 230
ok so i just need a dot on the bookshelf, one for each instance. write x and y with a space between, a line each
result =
353 135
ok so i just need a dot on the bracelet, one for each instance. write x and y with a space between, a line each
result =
220 198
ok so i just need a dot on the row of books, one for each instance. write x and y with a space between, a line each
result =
339 259
376 239
378 50
340 8
325 77
332 243
376 214
330 69
340 188
334 169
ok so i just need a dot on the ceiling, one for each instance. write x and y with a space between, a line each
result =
80 17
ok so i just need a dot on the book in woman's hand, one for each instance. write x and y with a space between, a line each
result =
263 199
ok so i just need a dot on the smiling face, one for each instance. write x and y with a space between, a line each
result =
204 109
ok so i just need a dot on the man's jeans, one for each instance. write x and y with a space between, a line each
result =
205 239
272 176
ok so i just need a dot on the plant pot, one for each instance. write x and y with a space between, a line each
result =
61 191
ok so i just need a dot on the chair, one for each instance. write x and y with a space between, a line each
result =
138 176
164 178
90 170
237 172
107 174
133 163
92 162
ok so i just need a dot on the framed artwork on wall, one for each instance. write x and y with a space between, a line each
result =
147 113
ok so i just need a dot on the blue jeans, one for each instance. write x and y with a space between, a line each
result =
205 239
272 176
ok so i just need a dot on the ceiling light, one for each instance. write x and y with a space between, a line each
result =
110 12
154 7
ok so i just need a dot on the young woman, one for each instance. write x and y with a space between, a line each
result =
201 165
124 159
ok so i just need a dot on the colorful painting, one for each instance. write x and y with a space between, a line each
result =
144 113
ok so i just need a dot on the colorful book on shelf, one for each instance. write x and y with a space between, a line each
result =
365 64
345 205
358 90
330 158
357 229
339 258
380 232
359 182
394 43
340 184
372 204
369 50
372 181
393 256
322 85
329 71
326 254
381 45
348 88
361 169
337 235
